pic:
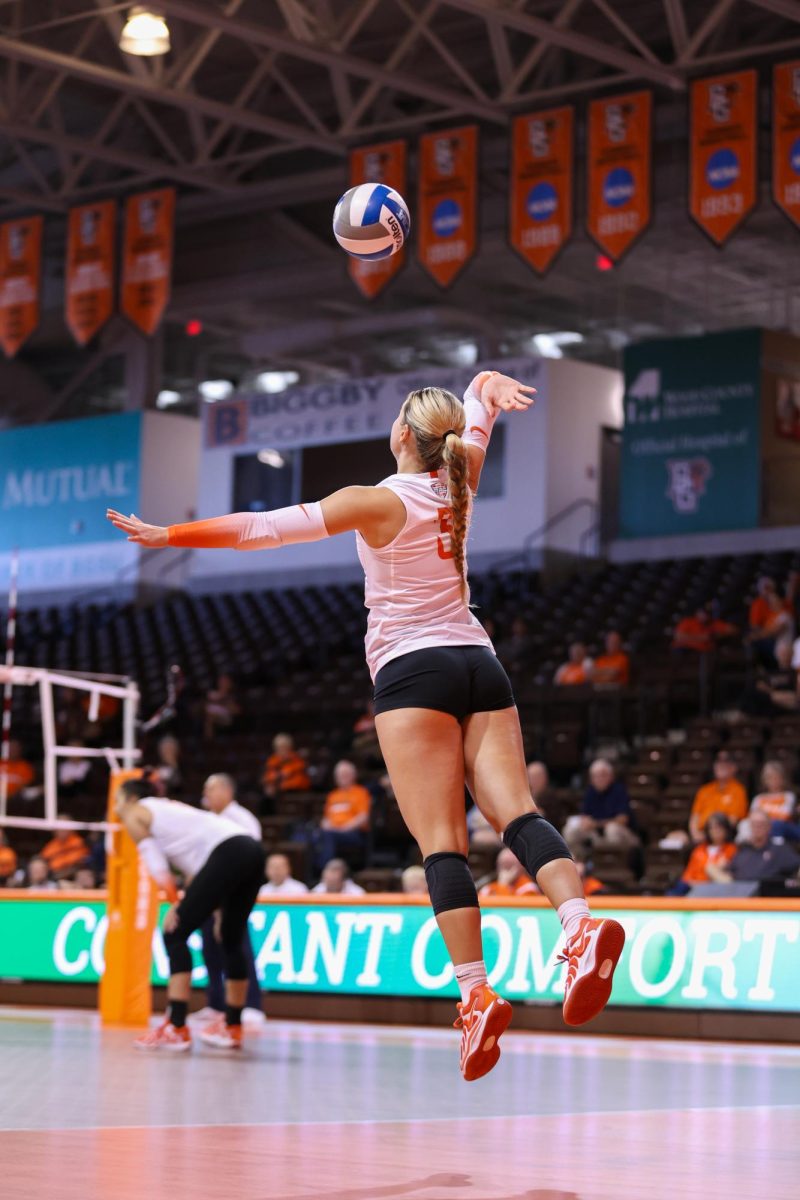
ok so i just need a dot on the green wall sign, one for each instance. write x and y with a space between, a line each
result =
673 958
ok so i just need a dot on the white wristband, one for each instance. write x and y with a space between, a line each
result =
480 422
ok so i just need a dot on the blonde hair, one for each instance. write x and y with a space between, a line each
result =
436 418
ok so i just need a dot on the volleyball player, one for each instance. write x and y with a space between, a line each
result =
226 869
444 709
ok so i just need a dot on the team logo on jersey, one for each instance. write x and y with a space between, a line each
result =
687 482
438 488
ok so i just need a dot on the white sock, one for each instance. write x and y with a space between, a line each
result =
468 976
571 913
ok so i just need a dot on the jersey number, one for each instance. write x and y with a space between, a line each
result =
444 542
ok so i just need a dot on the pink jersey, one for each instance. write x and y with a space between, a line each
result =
412 589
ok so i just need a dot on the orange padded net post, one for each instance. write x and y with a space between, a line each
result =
126 996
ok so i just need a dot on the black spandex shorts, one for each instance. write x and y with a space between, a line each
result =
458 680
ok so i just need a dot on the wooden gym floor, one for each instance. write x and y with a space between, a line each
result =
334 1112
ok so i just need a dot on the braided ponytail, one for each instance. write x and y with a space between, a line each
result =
436 418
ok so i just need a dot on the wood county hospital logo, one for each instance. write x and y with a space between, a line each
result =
687 482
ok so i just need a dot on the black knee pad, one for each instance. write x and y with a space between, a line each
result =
535 842
449 882
178 953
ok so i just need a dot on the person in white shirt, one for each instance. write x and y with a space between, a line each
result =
224 869
279 879
219 797
444 707
336 880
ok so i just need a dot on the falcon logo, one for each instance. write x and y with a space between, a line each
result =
687 483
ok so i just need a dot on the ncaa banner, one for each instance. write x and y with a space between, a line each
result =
691 440
384 163
619 201
20 272
541 185
147 257
723 164
786 139
448 193
89 283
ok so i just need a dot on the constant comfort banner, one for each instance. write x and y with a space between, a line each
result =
542 185
786 139
147 257
691 441
385 163
20 272
723 160
448 196
674 957
89 275
618 179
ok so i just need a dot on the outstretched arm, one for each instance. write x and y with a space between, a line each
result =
489 394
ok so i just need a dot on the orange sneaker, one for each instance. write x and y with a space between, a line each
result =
165 1037
591 955
482 1020
218 1033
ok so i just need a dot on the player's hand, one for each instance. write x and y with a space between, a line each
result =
171 919
504 394
137 531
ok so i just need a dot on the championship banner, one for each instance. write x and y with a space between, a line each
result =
89 283
385 163
786 139
723 162
448 192
20 270
619 201
147 257
541 185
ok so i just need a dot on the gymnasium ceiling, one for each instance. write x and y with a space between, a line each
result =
253 113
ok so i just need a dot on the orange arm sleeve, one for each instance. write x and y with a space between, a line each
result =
214 534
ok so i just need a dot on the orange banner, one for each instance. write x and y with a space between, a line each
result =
448 194
541 185
786 139
722 152
89 282
20 272
619 202
385 163
147 257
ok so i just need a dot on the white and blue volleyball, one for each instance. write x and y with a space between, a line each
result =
371 221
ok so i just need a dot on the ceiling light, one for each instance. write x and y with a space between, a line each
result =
215 389
549 344
271 458
166 398
276 381
465 354
144 33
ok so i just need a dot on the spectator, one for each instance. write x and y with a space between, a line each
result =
168 768
65 851
775 691
606 812
694 634
724 794
612 669
85 880
336 880
37 876
511 878
539 783
770 620
591 884
716 850
577 669
721 630
481 833
221 706
761 859
414 881
280 881
219 796
345 819
285 769
517 645
18 771
8 860
365 738
776 798
73 772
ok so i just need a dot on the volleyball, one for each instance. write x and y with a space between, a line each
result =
371 221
